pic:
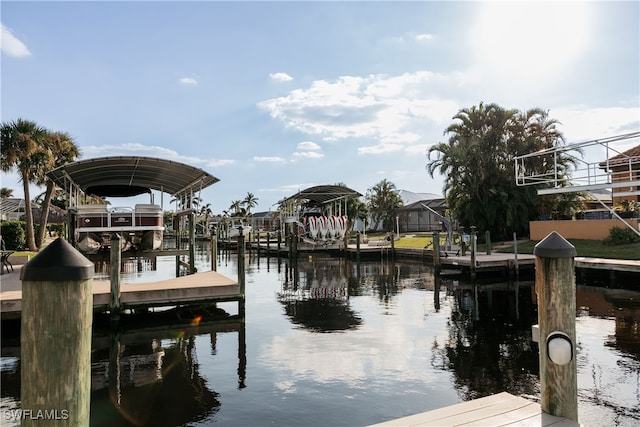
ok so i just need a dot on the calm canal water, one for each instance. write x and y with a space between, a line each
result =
325 343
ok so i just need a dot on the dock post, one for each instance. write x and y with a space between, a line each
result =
358 248
55 337
436 252
515 255
268 244
214 251
192 243
393 245
115 263
555 287
474 241
241 278
487 241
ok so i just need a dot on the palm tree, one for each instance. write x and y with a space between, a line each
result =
250 201
236 207
6 193
383 200
477 162
59 149
20 141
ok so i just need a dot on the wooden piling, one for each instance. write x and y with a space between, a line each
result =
487 241
393 246
555 288
192 243
473 255
214 252
241 249
115 263
55 337
358 248
436 252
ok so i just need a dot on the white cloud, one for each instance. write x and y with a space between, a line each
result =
307 155
280 77
10 45
581 124
136 149
267 159
308 146
388 110
424 38
380 149
189 81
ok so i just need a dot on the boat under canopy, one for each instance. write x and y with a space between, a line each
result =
91 225
320 212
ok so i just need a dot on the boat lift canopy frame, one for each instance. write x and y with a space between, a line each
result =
619 170
114 176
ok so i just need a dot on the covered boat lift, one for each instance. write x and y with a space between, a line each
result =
125 176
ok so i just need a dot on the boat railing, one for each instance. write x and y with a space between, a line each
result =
99 216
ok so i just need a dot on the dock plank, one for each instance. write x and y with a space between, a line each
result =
502 409
208 285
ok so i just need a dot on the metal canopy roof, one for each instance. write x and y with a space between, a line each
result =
321 194
131 175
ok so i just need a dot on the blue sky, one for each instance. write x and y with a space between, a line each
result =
274 97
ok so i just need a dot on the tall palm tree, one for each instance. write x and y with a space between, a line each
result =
20 141
250 201
383 200
59 149
477 162
236 207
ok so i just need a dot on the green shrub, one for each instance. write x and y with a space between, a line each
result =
621 236
13 234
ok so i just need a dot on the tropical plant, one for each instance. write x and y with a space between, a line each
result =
627 207
236 209
6 193
250 201
382 201
477 163
58 149
21 140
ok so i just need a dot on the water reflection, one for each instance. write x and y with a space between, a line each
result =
489 347
371 341
315 295
152 376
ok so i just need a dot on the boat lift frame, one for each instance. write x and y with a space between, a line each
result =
586 176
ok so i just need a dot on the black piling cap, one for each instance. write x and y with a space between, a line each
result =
58 262
554 246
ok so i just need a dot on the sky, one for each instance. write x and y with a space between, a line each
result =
275 97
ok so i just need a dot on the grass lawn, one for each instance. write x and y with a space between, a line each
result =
586 248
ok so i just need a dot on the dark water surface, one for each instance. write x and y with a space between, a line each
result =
325 343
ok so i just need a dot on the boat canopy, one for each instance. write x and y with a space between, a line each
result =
321 194
123 176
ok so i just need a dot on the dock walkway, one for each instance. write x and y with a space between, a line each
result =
502 409
194 288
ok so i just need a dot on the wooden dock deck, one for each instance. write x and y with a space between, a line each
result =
194 288
502 409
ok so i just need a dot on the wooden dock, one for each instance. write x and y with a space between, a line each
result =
502 409
189 289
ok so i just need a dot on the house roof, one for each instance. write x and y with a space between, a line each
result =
10 205
631 156
122 176
322 194
435 204
409 197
